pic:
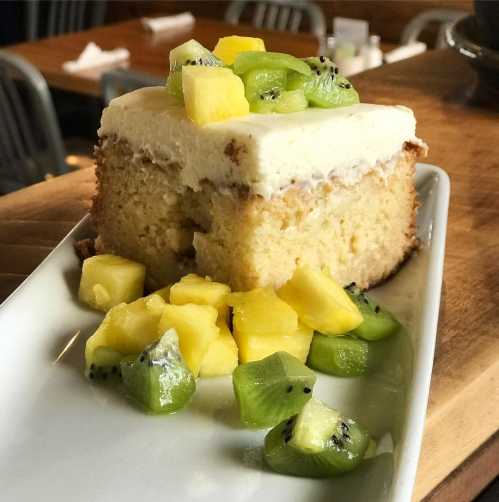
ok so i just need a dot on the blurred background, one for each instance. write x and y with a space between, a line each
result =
61 61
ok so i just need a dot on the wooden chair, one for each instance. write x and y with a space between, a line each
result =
281 15
444 17
55 17
31 144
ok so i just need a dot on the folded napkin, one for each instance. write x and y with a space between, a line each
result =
404 52
93 56
158 24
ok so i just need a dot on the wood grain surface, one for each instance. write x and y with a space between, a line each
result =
459 450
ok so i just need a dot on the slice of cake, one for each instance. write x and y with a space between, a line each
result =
190 180
246 199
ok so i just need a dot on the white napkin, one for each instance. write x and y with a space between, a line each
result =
404 52
92 55
167 22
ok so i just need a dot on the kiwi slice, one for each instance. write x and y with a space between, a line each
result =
378 322
323 87
279 101
260 81
158 379
251 60
343 356
317 443
272 389
188 53
104 364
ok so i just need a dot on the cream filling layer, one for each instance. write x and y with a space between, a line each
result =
267 153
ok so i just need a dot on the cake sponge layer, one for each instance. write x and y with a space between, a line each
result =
361 232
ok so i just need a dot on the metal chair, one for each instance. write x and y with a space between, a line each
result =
30 139
281 15
55 17
445 17
114 83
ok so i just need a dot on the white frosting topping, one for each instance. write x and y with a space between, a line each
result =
265 152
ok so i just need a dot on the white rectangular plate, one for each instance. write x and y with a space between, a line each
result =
62 439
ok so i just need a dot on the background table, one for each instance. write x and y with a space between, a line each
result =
460 453
148 52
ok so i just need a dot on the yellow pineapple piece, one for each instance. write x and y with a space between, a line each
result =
222 354
321 303
202 291
228 48
262 312
212 94
256 347
107 280
163 292
196 328
264 324
128 328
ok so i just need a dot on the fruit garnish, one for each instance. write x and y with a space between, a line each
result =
273 82
228 48
279 101
107 280
260 81
343 356
318 443
272 389
189 53
157 378
323 87
251 60
201 290
377 322
104 364
212 94
221 358
127 328
321 303
196 329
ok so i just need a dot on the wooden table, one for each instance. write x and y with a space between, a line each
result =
148 52
460 453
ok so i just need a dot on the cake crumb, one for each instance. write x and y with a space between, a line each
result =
233 150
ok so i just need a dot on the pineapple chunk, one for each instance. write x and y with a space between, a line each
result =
255 347
221 357
321 303
196 328
163 292
128 328
228 48
261 312
264 324
202 291
107 280
212 94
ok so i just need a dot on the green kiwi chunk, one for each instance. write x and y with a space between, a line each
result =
317 443
158 379
258 82
272 389
188 53
323 87
343 356
279 101
104 365
251 60
378 322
